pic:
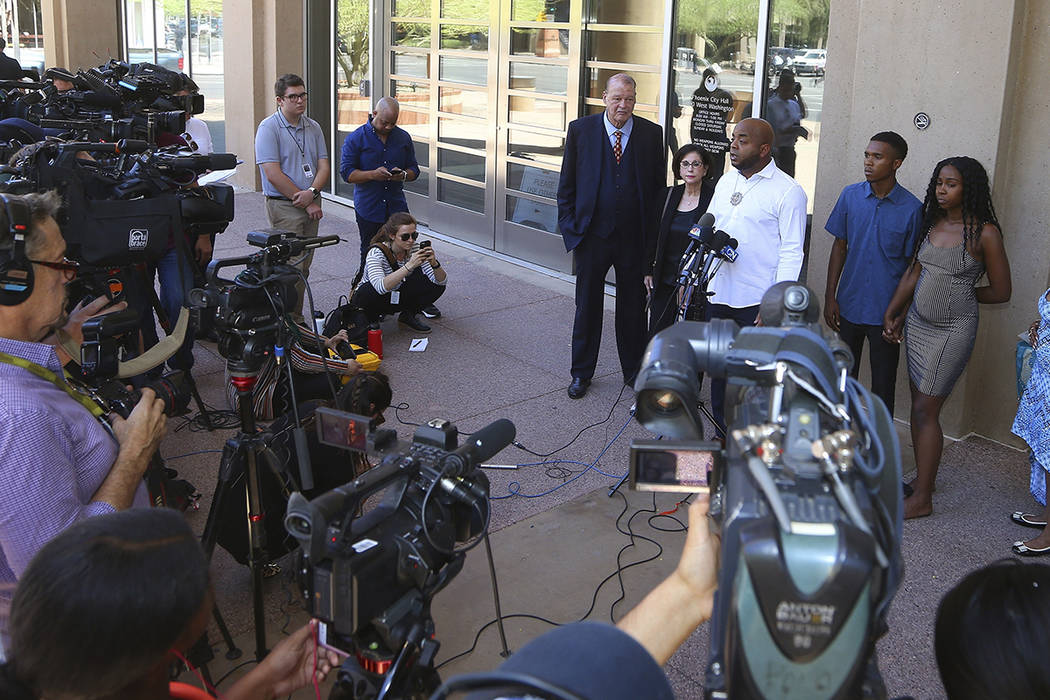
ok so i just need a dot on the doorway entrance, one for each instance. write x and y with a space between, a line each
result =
487 90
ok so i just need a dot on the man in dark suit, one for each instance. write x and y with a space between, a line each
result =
9 67
613 170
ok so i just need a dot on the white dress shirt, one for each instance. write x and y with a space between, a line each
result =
769 224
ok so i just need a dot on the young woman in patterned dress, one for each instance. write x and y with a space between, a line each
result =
934 309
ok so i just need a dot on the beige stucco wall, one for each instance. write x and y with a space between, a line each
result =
977 74
268 43
79 33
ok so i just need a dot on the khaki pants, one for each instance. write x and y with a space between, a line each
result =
286 216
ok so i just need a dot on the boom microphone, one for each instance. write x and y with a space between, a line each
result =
482 445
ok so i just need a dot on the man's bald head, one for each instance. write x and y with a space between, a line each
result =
759 129
752 144
384 118
388 106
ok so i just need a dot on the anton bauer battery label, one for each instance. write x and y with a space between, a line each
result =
809 619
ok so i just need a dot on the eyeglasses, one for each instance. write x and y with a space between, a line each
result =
67 266
406 236
295 96
692 164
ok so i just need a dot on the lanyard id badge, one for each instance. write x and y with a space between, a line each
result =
308 171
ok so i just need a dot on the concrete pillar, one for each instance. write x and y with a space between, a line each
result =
980 77
263 40
80 33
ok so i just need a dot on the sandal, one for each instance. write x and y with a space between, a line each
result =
1021 518
1021 549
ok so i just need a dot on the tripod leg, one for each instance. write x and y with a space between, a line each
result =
232 652
257 558
200 402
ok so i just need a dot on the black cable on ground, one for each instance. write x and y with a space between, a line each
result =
612 408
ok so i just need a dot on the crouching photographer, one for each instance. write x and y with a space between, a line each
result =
104 610
62 459
399 276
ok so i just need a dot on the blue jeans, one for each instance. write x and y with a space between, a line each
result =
173 290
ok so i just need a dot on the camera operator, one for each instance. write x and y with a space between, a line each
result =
398 278
60 463
107 607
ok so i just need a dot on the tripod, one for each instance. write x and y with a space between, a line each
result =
240 456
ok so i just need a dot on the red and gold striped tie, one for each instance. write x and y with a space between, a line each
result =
618 146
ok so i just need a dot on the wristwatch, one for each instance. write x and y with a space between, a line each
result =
316 192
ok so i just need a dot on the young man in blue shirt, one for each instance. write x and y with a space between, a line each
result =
377 159
875 224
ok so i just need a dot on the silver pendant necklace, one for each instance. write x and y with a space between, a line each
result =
738 196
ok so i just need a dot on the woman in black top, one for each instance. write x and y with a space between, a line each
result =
684 205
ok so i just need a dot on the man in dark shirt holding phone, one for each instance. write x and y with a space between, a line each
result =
378 158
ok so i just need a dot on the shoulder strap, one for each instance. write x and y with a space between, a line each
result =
50 376
385 249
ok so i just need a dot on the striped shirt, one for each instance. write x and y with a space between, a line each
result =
377 267
53 457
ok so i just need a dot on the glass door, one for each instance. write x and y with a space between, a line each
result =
487 90
442 70
538 97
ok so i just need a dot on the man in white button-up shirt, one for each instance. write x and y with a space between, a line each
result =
765 211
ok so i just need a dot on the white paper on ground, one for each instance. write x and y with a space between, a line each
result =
418 344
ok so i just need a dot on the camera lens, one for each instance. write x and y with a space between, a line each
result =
665 402
796 298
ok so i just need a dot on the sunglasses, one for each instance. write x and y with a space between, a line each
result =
296 96
413 236
65 265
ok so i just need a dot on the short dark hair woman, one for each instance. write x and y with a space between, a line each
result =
935 304
104 609
395 264
684 204
990 633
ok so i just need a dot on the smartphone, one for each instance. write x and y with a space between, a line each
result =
341 429
424 244
675 466
396 171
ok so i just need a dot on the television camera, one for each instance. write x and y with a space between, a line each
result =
370 579
806 494
114 101
249 309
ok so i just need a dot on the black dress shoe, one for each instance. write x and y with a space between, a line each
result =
431 311
578 387
409 319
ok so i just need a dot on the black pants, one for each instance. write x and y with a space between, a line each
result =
883 358
594 256
368 230
743 317
416 292
663 307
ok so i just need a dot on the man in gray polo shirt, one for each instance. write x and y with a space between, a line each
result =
291 153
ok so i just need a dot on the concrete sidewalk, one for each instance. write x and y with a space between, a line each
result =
501 349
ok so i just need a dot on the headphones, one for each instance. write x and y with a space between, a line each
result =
16 272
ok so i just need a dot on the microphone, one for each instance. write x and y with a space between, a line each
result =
728 253
482 445
718 241
699 240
